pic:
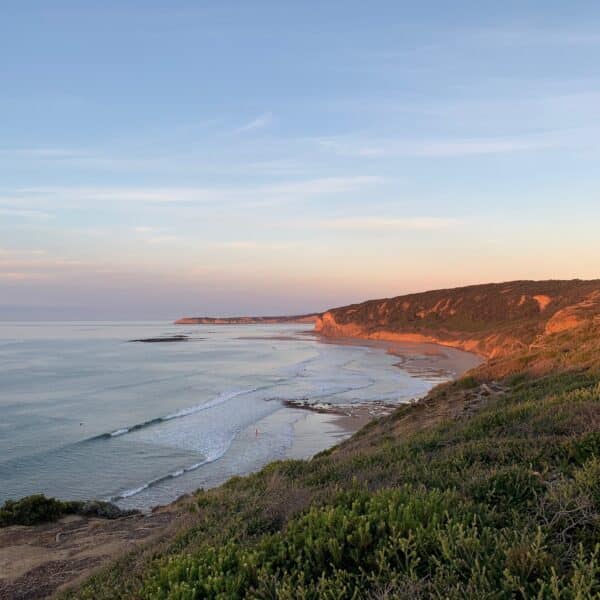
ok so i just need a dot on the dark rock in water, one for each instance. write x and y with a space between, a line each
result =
174 338
104 510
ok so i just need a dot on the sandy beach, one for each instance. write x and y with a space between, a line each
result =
421 358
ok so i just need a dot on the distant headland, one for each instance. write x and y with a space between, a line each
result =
309 318
491 320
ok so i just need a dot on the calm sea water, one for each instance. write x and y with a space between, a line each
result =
85 413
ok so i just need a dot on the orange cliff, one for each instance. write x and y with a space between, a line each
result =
326 325
491 320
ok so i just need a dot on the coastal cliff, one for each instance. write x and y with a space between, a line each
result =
492 320
309 318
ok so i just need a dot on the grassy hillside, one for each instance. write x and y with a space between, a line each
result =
488 488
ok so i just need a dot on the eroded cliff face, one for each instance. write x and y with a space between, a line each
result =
491 346
491 320
576 314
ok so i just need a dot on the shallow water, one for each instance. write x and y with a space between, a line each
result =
86 413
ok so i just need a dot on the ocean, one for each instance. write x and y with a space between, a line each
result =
87 413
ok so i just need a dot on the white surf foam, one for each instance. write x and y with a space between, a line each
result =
212 456
220 399
119 432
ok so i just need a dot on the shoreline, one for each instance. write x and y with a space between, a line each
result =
402 340
429 362
48 545
420 356
57 555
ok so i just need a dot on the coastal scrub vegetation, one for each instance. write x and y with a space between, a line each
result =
488 487
36 509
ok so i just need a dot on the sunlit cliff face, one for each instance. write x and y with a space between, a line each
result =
491 320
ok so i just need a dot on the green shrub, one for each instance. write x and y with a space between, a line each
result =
466 383
588 480
35 509
510 487
586 447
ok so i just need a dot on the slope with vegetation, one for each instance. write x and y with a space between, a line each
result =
492 319
487 488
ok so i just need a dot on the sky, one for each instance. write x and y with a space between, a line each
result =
161 159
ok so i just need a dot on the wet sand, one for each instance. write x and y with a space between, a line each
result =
430 362
326 424
419 359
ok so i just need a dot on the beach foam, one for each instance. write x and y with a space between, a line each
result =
184 412
211 457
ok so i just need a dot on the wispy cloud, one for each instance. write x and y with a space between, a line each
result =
106 159
162 239
22 266
43 152
7 252
19 276
322 185
32 265
287 191
23 213
259 122
537 37
154 235
432 148
237 245
255 245
370 223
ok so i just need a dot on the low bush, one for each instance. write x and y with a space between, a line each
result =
35 509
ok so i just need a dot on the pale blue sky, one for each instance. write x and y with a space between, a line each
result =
169 158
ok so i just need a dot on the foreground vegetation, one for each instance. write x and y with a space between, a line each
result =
35 509
480 491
